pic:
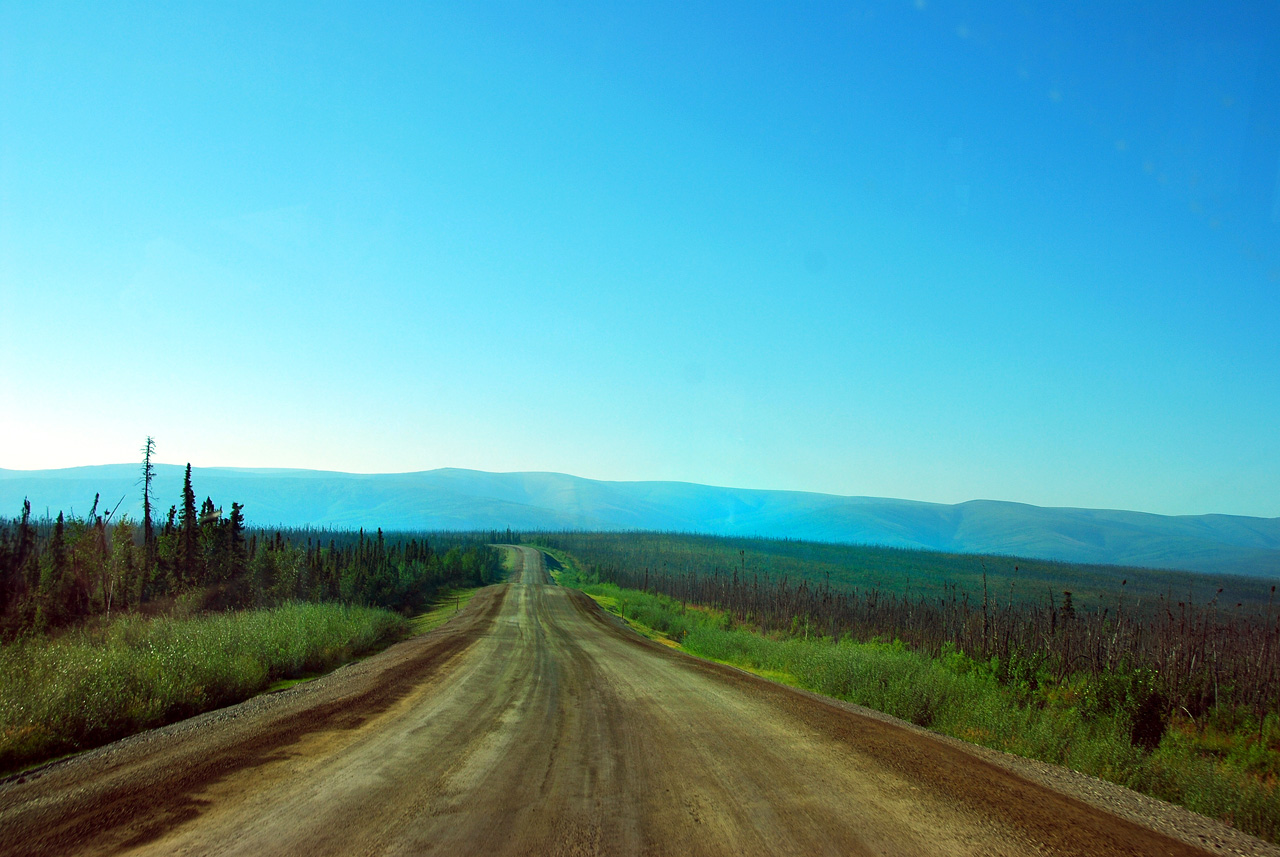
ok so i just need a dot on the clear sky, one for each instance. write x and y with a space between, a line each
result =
933 250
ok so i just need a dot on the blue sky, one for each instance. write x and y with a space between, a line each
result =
932 250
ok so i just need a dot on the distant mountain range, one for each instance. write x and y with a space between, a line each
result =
470 499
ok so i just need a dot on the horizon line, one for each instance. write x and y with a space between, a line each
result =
639 482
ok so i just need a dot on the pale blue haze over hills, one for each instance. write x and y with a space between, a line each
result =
468 499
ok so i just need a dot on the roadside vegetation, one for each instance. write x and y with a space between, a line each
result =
109 626
449 602
1221 759
1174 654
913 573
62 572
93 685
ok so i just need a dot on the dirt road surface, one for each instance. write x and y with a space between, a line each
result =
534 723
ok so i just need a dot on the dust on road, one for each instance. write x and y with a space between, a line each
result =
535 724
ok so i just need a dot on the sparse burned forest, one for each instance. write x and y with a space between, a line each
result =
1155 656
1177 700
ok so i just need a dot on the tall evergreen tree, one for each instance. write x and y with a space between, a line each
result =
215 545
239 559
148 530
167 577
188 535
27 565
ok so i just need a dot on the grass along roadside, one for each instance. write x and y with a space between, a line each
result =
89 687
1225 771
565 571
447 605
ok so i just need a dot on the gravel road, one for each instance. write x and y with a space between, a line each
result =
534 723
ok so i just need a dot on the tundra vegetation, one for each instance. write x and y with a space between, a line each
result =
1175 697
108 625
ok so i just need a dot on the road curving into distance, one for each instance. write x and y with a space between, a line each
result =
535 723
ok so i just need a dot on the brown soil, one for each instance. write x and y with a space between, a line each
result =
534 723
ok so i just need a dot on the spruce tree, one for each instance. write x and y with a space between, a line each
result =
239 559
212 554
188 535
148 530
27 565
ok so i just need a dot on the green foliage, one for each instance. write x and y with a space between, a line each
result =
447 605
90 687
56 574
190 565
79 665
1238 785
1012 704
1145 661
900 570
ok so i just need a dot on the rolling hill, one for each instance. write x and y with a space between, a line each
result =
468 499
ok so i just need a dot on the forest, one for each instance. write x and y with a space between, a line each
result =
61 572
109 626
1117 725
1154 647
923 572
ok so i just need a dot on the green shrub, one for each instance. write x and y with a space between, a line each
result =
91 687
